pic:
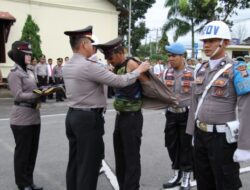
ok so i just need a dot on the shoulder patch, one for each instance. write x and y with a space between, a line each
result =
241 78
14 69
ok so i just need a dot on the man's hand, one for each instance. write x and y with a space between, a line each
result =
144 66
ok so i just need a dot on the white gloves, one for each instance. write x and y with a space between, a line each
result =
241 155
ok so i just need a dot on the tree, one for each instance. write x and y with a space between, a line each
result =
191 15
162 43
138 31
187 15
30 34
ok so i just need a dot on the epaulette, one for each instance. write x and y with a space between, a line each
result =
14 69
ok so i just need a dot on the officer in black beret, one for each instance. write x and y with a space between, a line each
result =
129 120
25 119
84 80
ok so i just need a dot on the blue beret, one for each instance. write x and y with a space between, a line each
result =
176 48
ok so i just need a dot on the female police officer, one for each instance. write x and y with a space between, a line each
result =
25 116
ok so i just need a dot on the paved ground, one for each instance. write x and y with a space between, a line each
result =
53 150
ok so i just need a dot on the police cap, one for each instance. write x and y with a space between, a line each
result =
22 46
82 33
109 48
176 48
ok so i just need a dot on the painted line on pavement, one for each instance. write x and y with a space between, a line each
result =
110 175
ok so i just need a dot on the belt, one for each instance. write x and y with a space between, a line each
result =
97 110
177 110
211 128
27 104
127 112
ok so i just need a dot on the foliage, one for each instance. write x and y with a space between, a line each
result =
156 57
162 43
191 15
30 34
138 30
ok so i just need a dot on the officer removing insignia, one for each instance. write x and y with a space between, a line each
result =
84 82
212 117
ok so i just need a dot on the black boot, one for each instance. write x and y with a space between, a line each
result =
185 183
174 181
34 187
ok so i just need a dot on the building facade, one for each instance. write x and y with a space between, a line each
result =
56 16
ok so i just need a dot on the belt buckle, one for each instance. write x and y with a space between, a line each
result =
203 126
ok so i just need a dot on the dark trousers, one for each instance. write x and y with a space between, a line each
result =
42 81
178 143
59 94
27 141
127 141
215 168
84 130
51 82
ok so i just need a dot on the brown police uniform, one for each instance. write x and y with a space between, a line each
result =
24 118
84 82
177 141
215 168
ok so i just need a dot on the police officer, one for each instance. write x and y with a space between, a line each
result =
84 122
179 78
128 125
25 116
58 78
215 167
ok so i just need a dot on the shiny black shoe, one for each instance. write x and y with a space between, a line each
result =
174 181
34 187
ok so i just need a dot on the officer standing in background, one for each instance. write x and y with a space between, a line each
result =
179 78
129 120
25 119
42 74
50 77
58 78
215 167
84 121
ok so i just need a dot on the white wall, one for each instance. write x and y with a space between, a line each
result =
56 16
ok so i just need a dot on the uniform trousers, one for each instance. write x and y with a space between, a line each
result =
27 141
84 130
127 141
178 143
215 168
60 93
51 82
42 81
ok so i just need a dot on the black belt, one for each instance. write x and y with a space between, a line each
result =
97 110
26 104
128 112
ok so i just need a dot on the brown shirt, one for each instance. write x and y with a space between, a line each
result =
21 85
84 82
219 105
180 83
